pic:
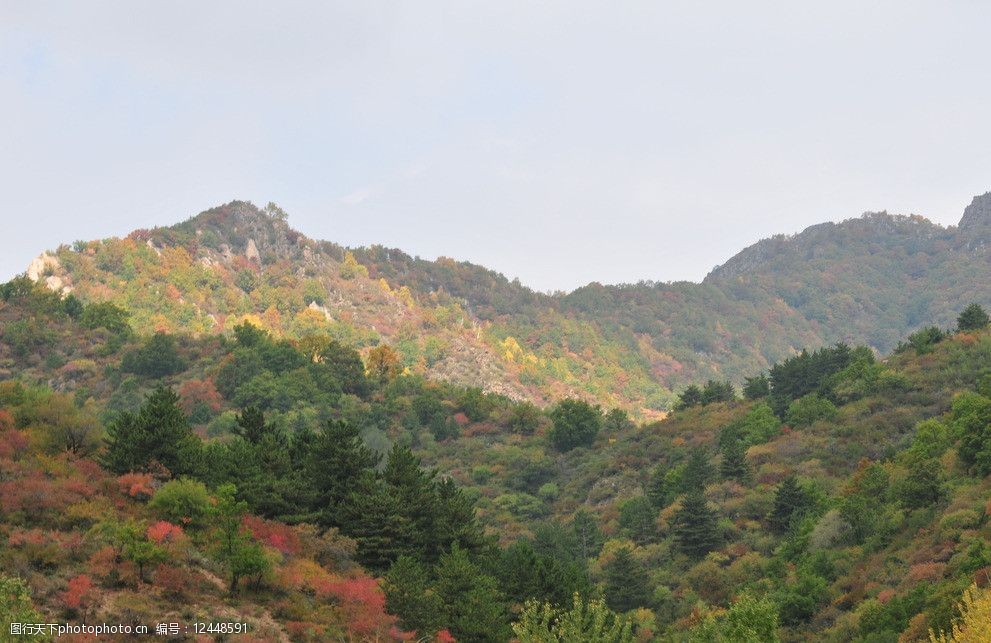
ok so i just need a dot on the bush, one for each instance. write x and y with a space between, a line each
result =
183 501
810 409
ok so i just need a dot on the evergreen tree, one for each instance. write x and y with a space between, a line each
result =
159 357
587 534
475 609
334 464
691 396
658 488
698 472
695 526
416 493
714 391
627 585
755 388
734 463
373 516
157 433
408 596
637 517
251 425
973 317
790 501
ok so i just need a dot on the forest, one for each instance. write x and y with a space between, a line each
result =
317 492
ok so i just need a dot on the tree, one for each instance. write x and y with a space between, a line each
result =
576 423
158 358
374 517
409 596
350 268
383 363
157 433
975 614
475 609
748 620
971 423
695 526
627 585
106 315
524 417
587 534
733 465
810 409
973 317
755 388
585 622
15 604
659 490
698 472
790 501
691 396
617 420
637 517
922 485
715 391
334 464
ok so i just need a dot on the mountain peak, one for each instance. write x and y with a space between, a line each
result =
978 213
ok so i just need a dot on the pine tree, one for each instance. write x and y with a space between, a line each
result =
334 464
695 526
408 596
416 492
627 585
475 608
658 489
790 501
734 463
587 534
374 517
973 317
691 396
698 472
157 433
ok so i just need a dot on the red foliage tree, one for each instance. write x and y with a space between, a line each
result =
79 594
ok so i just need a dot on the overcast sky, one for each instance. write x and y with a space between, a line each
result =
557 142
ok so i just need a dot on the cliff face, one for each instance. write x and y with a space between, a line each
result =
978 214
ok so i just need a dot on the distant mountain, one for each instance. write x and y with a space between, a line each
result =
867 280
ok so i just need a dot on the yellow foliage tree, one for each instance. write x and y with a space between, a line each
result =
383 363
351 268
974 624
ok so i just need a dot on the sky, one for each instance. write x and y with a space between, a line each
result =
557 142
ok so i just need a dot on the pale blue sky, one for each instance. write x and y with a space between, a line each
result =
557 142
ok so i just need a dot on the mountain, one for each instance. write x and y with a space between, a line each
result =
868 280
307 493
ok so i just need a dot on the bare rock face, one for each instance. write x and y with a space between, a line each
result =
42 264
251 252
978 213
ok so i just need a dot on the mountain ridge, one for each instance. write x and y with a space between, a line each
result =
869 279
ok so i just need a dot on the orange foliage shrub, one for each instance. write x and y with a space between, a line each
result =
172 580
137 485
276 535
928 572
79 594
163 532
363 602
194 392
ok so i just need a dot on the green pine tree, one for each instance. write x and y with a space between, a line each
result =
335 460
695 526
973 317
374 517
408 596
475 608
627 585
790 501
157 433
734 463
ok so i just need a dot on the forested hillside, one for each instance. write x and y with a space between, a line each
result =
314 492
870 280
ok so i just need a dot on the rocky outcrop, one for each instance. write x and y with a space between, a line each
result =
978 213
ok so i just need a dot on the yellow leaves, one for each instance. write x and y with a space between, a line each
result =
384 286
406 297
350 268
975 615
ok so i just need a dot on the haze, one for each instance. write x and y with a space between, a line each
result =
561 143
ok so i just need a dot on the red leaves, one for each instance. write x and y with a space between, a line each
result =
274 534
137 485
163 532
80 592
195 392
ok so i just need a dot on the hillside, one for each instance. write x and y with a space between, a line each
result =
312 495
868 280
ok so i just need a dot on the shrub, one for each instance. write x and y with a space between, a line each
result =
809 409
183 501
